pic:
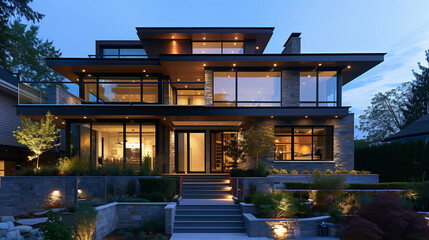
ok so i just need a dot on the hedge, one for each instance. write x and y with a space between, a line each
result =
395 162
163 185
357 186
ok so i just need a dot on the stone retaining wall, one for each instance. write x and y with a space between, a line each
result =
121 215
281 228
241 185
22 194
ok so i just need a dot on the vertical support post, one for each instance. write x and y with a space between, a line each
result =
114 188
181 185
76 192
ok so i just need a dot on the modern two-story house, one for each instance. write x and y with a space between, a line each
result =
177 94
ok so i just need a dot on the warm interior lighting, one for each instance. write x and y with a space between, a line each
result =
89 75
64 122
275 64
83 70
147 75
186 86
320 64
348 66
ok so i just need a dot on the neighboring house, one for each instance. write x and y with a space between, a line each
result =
418 130
11 152
175 96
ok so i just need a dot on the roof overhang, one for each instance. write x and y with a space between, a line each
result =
261 35
191 67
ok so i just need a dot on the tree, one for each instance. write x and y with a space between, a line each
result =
418 100
384 116
258 141
27 56
234 149
39 137
8 10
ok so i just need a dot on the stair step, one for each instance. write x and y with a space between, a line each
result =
209 229
209 218
206 196
196 207
206 192
190 212
208 223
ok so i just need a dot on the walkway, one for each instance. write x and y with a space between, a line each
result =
230 236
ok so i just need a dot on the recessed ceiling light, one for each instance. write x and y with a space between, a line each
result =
64 122
306 116
83 70
233 64
126 117
320 64
178 79
257 47
204 64
198 79
336 116
186 86
172 36
164 119
204 38
56 117
144 70
84 117
147 75
236 38
348 66
272 116
275 65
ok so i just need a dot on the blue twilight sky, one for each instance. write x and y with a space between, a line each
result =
398 27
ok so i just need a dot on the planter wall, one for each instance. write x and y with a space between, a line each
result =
122 215
241 185
281 228
22 194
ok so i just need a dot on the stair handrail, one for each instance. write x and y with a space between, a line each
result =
181 185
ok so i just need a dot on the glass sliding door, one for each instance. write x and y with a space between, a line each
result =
220 161
190 152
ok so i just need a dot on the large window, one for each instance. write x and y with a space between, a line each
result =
190 97
110 146
318 88
106 89
124 53
247 89
218 47
304 143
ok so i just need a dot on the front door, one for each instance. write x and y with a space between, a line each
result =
190 152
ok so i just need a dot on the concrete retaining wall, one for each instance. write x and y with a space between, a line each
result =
121 215
281 228
22 194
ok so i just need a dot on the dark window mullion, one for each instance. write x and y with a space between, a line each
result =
317 88
141 89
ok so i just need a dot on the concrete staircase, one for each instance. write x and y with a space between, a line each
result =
206 187
220 217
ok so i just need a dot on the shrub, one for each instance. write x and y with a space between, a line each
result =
283 171
153 226
163 185
375 186
360 228
297 185
144 195
85 221
337 172
248 173
145 170
26 172
157 197
114 171
332 186
143 235
64 164
294 172
354 172
335 213
132 200
421 199
280 204
54 229
275 171
316 172
269 171
366 172
328 171
344 171
305 172
395 221
79 164
160 237
131 187
128 170
48 171
128 235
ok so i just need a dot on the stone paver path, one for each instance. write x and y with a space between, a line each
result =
32 221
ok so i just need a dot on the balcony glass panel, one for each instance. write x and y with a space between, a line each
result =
259 86
307 86
328 86
224 86
132 53
206 47
150 91
232 47
121 89
110 52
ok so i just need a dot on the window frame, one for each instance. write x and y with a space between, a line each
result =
317 103
236 102
331 127
221 47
